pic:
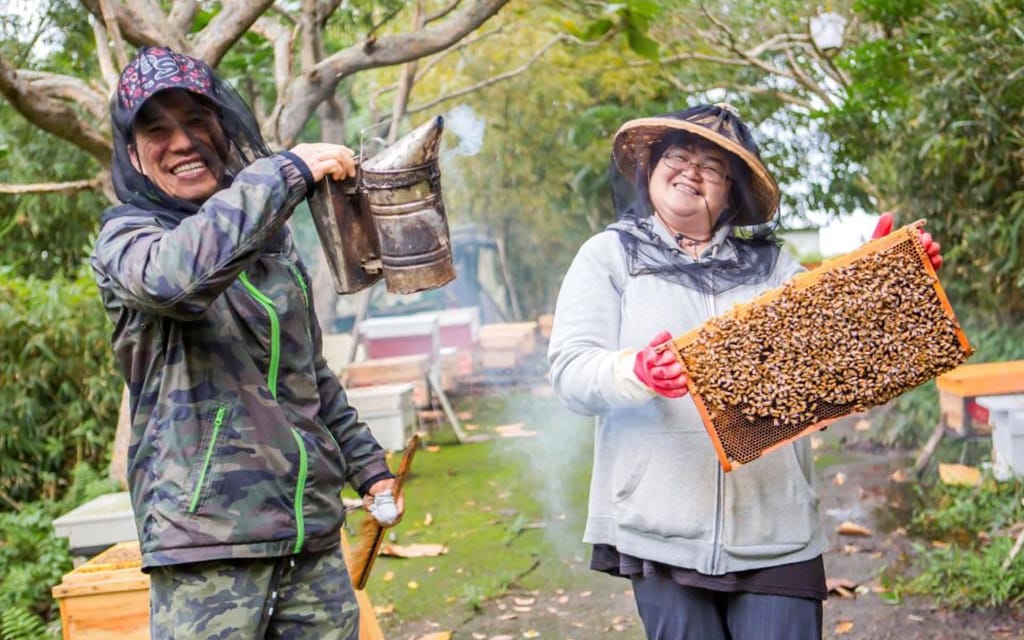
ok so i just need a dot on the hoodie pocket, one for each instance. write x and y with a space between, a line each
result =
202 481
662 488
771 506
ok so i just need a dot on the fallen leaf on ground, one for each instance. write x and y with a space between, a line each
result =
898 475
840 479
959 475
846 583
914 618
437 635
844 626
385 609
428 519
419 550
516 430
853 529
524 602
531 634
433 448
388 576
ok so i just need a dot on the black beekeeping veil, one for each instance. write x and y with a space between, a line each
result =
750 250
156 69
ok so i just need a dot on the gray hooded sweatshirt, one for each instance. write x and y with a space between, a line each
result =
657 489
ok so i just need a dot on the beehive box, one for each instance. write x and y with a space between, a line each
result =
854 333
960 388
108 597
388 411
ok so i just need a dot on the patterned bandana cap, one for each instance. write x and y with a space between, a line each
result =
154 69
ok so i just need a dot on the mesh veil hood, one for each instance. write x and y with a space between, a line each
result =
744 247
156 69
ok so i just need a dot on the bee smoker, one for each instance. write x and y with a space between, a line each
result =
389 220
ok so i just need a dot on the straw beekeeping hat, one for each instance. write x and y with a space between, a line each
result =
719 124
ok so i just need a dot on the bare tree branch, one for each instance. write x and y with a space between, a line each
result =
69 89
490 81
182 15
230 24
107 69
63 188
281 38
114 33
51 114
135 28
442 12
313 87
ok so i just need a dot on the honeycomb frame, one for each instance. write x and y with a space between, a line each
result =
739 434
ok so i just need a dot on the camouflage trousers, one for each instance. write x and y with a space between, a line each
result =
308 595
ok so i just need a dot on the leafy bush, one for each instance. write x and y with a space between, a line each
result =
33 559
59 388
975 527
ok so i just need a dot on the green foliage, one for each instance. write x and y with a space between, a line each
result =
59 388
935 115
21 624
975 523
33 559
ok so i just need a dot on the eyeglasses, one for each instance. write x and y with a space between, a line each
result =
708 173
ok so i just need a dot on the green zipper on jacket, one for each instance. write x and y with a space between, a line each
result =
275 358
218 420
275 332
300 524
302 283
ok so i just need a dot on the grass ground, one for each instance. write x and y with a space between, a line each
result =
509 510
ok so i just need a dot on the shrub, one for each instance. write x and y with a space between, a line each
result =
59 388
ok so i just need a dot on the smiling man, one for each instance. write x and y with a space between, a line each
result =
242 438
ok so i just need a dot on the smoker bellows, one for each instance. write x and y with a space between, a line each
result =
389 221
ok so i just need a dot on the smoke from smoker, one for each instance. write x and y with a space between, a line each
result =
559 457
468 127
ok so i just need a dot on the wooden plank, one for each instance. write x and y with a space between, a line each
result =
984 379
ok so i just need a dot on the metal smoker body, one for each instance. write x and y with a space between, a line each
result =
389 220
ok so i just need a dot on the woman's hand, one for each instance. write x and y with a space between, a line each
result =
932 248
325 159
659 370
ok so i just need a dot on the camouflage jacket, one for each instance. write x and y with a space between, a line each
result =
242 437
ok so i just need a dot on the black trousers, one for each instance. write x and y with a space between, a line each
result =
671 611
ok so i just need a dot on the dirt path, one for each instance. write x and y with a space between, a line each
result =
859 490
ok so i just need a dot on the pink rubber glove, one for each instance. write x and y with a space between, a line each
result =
932 248
660 371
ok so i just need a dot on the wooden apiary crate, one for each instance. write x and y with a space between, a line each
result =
854 333
412 369
505 345
107 597
960 388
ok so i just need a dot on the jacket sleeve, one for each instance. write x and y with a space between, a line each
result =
179 272
586 357
363 454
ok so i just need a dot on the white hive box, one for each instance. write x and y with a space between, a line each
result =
1006 415
388 410
97 524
